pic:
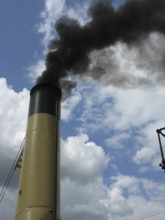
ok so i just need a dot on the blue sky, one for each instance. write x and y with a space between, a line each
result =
18 35
109 147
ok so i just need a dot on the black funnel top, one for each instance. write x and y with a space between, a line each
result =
45 98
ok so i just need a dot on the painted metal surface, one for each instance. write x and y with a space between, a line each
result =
39 186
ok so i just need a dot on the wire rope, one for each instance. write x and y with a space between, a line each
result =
8 179
154 214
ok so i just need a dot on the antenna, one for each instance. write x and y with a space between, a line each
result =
159 132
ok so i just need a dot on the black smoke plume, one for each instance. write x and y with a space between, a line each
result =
130 23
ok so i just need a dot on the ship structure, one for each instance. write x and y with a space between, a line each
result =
39 186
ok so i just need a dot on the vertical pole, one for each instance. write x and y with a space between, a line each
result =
161 148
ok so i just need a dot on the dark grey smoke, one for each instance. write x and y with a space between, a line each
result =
130 23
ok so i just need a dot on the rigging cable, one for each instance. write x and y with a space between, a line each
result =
154 214
8 179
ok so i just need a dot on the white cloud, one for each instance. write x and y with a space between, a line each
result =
131 194
82 188
144 155
122 200
84 193
121 109
148 153
82 160
36 70
116 140
69 105
13 115
130 183
8 204
89 208
127 117
79 11
51 12
136 107
119 205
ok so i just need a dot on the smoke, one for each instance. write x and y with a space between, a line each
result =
131 23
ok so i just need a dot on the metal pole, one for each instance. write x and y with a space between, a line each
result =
159 131
160 144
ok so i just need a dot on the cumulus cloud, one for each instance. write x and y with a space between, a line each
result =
82 201
142 192
52 10
82 184
84 194
121 108
69 105
148 154
117 140
121 200
78 11
127 117
132 109
36 70
8 204
13 115
134 194
82 160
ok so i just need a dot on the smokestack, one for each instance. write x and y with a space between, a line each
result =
39 188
